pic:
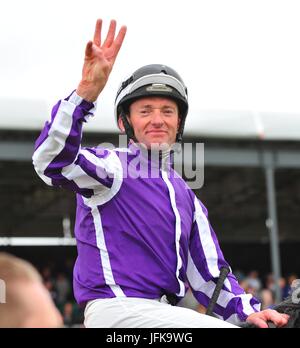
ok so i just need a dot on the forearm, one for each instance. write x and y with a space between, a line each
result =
206 259
59 142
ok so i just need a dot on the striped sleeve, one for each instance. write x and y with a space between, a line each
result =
58 157
205 259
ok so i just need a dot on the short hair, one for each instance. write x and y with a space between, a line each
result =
14 271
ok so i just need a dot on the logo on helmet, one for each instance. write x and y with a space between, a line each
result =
159 87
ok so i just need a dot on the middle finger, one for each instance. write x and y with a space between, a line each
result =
111 34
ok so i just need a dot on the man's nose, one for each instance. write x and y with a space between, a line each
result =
157 118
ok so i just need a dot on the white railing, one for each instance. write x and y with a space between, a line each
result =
37 241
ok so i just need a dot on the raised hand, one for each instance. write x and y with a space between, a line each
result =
99 60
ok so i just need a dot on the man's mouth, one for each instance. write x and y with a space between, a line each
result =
156 132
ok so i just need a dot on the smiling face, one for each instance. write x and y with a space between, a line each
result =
155 121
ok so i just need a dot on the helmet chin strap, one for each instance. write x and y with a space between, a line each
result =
127 126
180 131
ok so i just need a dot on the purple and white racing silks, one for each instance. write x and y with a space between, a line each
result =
137 236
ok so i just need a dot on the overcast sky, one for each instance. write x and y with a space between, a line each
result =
232 54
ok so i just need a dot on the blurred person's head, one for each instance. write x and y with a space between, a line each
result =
253 281
60 277
244 284
49 285
291 277
253 274
27 303
46 273
282 282
270 281
267 299
68 314
68 309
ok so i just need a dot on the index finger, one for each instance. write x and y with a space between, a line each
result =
97 34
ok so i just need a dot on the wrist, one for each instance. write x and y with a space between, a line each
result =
88 92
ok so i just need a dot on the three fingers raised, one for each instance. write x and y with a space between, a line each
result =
110 39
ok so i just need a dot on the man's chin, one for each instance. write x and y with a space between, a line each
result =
157 144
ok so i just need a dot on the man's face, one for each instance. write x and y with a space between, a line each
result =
155 121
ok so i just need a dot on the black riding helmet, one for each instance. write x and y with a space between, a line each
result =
151 80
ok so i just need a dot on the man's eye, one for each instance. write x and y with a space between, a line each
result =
144 112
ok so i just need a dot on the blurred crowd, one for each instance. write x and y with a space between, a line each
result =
59 284
263 288
58 281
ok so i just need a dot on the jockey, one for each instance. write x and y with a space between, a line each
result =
141 239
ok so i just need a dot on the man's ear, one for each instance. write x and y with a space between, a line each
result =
121 125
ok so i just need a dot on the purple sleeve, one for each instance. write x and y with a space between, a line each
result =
58 157
204 263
